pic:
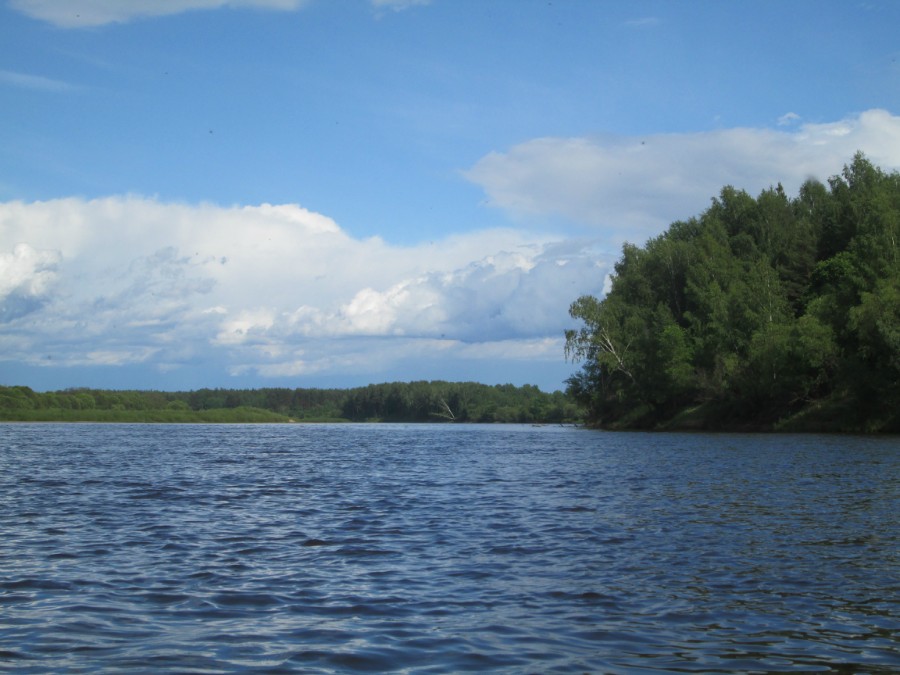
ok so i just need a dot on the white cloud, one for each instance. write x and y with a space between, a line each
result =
27 272
522 350
113 357
247 322
634 187
83 13
788 119
34 82
643 22
26 279
398 5
271 290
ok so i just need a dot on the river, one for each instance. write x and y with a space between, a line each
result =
445 548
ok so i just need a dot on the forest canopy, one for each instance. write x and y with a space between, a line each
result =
772 312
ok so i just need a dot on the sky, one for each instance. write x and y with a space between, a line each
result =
333 193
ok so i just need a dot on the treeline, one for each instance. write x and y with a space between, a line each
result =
391 402
460 402
765 313
99 405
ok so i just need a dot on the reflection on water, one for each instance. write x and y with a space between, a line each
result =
444 548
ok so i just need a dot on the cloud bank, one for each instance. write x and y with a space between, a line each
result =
271 290
634 187
278 291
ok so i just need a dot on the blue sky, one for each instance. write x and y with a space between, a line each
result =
336 192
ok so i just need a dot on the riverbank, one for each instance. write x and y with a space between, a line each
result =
827 416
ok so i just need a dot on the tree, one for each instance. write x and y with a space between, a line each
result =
755 309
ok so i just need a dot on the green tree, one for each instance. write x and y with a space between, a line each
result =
755 309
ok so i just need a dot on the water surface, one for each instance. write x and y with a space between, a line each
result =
444 548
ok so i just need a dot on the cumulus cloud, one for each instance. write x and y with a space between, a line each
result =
518 293
272 290
26 279
633 187
84 13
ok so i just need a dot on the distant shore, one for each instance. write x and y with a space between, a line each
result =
243 415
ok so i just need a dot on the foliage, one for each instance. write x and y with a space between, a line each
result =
754 312
457 401
392 402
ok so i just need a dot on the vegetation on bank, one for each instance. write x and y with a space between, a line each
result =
766 313
390 402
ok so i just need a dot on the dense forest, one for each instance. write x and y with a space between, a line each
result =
765 313
436 401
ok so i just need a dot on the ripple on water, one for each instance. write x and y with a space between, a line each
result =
444 548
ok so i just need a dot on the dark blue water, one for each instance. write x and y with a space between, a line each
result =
445 548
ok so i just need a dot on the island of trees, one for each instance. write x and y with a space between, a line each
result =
435 401
762 313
